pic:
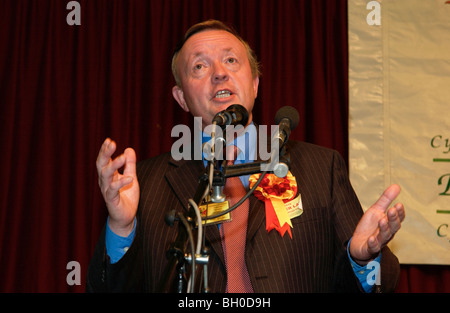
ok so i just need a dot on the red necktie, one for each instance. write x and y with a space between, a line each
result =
234 234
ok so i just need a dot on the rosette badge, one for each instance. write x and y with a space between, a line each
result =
280 202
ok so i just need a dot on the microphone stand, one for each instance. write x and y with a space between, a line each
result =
177 252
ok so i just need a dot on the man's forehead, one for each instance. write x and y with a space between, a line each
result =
200 52
203 41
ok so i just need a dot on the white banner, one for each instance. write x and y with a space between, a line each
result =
399 93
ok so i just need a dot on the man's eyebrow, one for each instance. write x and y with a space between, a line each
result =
228 50
198 54
202 54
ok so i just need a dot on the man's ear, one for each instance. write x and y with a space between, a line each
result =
255 85
179 97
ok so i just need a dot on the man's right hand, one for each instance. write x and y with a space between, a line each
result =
120 191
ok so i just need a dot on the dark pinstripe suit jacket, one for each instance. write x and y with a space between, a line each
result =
314 260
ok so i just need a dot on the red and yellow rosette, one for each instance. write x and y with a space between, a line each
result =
275 192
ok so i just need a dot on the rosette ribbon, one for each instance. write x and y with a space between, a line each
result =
275 192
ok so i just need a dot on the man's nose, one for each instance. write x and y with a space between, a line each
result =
220 73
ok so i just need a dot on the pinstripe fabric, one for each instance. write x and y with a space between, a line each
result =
314 260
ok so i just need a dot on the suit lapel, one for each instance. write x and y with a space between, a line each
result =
256 216
184 179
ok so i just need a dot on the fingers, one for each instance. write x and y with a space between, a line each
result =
130 163
387 197
109 172
112 193
400 211
106 151
378 225
373 245
128 160
110 180
387 228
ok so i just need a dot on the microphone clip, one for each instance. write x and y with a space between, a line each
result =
217 195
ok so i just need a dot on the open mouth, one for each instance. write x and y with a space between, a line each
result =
223 94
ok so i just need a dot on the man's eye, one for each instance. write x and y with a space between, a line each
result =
198 66
231 60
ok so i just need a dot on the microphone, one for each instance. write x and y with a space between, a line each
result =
287 119
235 114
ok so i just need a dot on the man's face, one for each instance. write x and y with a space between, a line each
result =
214 72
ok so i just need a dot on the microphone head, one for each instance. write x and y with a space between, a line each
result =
235 114
290 113
239 114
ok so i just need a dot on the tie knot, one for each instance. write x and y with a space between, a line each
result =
232 153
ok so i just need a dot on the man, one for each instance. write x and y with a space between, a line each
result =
332 241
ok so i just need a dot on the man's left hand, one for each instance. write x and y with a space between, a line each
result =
377 227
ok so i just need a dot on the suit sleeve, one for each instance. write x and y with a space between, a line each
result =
124 276
346 214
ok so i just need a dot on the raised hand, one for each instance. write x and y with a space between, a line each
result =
120 191
377 227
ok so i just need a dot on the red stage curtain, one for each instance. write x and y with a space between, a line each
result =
64 89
